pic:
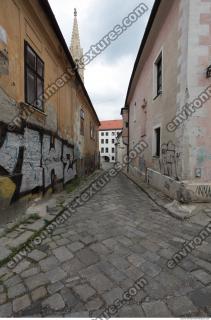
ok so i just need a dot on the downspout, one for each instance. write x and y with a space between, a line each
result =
128 146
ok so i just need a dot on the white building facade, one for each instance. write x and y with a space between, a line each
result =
108 133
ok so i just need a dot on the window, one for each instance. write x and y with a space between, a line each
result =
143 121
113 150
95 132
34 78
157 142
134 112
106 150
102 141
106 141
92 131
113 158
126 125
107 134
113 133
102 150
102 134
113 140
82 116
159 75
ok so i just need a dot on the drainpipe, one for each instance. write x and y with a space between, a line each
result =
128 146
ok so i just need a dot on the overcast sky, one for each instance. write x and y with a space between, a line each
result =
107 77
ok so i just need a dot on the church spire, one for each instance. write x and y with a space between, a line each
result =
75 48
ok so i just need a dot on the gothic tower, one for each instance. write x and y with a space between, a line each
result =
75 48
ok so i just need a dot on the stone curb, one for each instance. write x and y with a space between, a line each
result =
198 213
31 231
156 196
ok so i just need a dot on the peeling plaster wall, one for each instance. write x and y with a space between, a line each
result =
146 110
8 107
181 137
4 59
199 58
184 35
42 153
194 45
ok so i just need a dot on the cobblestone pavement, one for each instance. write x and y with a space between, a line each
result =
119 236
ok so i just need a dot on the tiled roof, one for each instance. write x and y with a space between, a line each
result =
111 125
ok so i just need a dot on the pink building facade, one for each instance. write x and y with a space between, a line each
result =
168 102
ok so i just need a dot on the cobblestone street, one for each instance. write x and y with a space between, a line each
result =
119 236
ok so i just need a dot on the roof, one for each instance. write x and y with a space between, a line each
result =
49 13
111 125
142 46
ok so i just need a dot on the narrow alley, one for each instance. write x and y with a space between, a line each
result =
117 238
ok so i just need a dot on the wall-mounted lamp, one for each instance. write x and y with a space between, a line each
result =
209 72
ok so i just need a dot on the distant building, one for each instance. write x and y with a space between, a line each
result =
169 98
108 132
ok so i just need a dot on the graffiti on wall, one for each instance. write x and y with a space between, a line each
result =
34 159
4 60
203 191
142 164
169 160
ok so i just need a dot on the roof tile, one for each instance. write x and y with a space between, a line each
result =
111 125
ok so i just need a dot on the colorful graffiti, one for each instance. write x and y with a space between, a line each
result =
34 159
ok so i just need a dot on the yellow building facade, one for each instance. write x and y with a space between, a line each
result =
48 125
